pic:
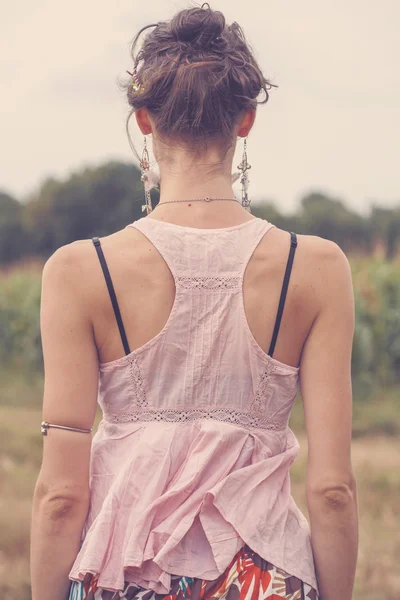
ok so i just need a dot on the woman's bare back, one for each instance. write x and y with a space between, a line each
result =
145 290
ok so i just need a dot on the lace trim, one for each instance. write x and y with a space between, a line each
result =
208 282
227 415
264 389
139 391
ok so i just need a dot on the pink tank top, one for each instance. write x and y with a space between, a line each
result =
192 457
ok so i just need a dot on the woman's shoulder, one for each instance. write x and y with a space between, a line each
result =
321 248
324 260
323 272
314 255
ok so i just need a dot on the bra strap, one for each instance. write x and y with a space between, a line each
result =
111 291
293 246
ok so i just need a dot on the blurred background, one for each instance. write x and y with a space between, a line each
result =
324 153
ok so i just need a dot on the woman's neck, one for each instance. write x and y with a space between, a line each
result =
186 186
183 177
216 213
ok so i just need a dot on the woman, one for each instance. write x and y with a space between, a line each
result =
195 349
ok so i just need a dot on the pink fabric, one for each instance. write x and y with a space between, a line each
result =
192 457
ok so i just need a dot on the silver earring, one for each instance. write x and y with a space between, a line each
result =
150 178
243 167
145 167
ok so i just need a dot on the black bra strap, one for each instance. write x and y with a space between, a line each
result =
111 291
293 246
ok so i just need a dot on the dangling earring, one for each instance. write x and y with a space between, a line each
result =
243 167
150 178
145 167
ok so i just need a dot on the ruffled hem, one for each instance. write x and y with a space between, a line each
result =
225 488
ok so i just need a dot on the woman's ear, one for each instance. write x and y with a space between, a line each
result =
247 122
143 121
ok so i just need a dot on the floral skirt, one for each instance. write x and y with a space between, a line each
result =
247 577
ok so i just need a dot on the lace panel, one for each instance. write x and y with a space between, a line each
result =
227 415
208 282
264 389
139 392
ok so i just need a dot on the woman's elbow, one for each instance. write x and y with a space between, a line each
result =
60 501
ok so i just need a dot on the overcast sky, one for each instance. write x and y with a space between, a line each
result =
332 125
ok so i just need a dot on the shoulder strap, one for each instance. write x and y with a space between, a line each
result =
293 246
111 291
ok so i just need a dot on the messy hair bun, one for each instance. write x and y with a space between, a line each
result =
196 75
198 27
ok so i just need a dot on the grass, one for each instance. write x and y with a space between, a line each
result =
20 459
20 387
379 415
376 461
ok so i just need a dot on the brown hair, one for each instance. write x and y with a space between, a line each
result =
196 75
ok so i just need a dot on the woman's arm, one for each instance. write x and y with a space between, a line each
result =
325 373
61 497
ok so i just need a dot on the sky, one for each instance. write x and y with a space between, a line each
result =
332 125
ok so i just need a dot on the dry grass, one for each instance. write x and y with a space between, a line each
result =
376 463
20 458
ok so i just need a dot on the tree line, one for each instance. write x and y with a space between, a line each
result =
101 200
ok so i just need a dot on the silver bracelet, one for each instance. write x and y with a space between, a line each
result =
44 427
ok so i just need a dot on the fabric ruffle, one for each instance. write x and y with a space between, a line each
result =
182 499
